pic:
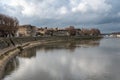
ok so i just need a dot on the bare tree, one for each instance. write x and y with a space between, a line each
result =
8 25
71 30
85 32
94 31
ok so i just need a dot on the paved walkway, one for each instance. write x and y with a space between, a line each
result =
2 51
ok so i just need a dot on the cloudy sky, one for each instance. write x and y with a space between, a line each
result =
102 14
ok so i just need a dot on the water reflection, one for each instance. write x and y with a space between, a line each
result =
91 63
11 66
28 53
71 45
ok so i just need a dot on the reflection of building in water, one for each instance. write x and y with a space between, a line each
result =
11 66
29 53
71 45
90 43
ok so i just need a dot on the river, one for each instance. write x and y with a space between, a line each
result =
75 60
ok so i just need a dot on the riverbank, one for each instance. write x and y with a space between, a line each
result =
10 47
11 42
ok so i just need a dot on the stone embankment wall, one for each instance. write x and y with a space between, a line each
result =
10 42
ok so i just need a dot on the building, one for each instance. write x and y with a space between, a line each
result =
60 32
45 32
117 34
26 30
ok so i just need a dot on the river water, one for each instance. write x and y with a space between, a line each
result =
78 60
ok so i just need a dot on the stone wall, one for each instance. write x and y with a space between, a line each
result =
9 42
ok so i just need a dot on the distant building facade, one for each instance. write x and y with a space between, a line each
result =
26 30
117 34
61 32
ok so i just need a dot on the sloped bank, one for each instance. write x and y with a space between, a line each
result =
10 47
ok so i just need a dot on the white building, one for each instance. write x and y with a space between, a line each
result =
118 35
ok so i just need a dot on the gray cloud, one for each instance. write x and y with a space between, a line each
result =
60 13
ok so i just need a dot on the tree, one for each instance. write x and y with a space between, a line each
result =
71 30
8 25
85 31
94 31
